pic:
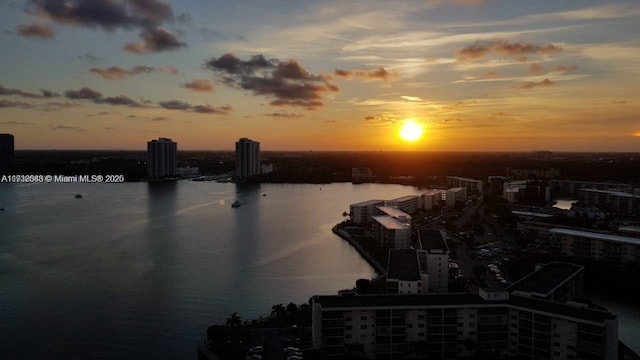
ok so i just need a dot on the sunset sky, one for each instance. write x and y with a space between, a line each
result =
476 75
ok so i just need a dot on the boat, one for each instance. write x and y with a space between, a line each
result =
236 204
77 196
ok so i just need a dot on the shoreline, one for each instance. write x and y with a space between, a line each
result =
365 255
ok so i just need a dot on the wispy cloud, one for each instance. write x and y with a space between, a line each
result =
199 85
36 30
119 73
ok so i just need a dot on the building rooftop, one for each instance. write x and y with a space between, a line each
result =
403 265
463 178
432 239
597 236
432 192
453 300
611 192
532 214
394 212
368 203
544 281
456 189
556 308
405 198
390 223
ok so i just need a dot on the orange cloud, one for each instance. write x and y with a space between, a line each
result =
531 85
199 86
565 69
504 47
535 69
379 74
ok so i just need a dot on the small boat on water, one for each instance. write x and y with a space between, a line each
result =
236 204
77 196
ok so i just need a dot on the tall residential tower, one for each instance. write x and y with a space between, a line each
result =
162 159
6 151
247 158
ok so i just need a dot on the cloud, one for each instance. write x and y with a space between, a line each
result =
118 73
565 69
155 40
159 118
87 57
483 49
109 15
201 109
106 14
199 86
379 74
535 69
533 84
36 30
285 115
44 94
66 127
83 94
119 100
412 98
286 81
456 2
14 104
620 102
15 122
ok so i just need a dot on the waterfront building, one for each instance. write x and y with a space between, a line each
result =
573 187
362 212
7 150
454 195
431 199
162 159
433 255
409 203
612 250
555 281
247 158
188 171
390 232
404 275
528 191
611 200
498 324
472 185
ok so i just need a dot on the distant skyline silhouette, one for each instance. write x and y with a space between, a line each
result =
476 75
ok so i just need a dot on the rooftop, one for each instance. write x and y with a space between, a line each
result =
403 265
453 300
390 223
533 214
432 239
368 203
463 178
611 192
456 189
431 192
597 236
393 212
405 198
544 281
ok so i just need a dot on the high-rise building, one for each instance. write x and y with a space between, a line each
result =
6 151
247 158
162 158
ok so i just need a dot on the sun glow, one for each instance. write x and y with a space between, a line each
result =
411 131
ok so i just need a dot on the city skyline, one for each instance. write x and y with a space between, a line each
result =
473 75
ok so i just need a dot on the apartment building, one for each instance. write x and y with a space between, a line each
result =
454 195
472 185
409 203
362 212
390 232
614 201
433 255
613 250
431 199
404 275
448 326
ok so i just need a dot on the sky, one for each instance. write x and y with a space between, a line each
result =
475 75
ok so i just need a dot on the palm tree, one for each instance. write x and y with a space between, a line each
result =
234 320
278 310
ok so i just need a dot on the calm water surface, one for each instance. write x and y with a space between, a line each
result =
140 270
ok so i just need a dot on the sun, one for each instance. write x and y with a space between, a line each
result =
411 131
